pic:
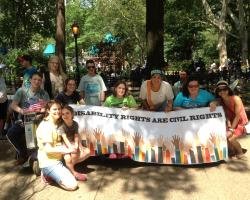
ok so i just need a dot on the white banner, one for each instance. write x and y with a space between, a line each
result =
191 136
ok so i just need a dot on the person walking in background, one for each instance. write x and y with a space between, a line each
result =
29 70
69 95
51 149
54 78
235 115
120 97
92 87
183 75
156 94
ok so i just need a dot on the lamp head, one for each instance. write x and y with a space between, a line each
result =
75 29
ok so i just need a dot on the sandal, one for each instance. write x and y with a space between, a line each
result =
81 177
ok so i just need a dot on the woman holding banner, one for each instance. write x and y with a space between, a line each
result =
236 117
120 97
156 94
194 97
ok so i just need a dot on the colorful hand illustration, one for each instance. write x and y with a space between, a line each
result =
98 134
176 141
137 138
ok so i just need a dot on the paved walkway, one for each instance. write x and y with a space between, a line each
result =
127 180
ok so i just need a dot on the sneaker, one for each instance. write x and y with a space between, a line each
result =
81 177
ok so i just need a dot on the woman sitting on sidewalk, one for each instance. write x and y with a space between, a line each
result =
236 117
71 138
51 149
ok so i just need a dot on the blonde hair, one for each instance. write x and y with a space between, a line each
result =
60 70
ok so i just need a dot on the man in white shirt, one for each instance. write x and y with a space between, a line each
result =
156 95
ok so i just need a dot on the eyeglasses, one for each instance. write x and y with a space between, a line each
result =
222 89
193 86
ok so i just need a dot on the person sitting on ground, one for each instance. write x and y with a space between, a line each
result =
26 100
51 149
177 87
120 97
69 95
235 115
156 94
194 97
71 138
54 78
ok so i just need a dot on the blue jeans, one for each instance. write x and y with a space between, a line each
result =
61 175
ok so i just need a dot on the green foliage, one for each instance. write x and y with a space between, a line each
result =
21 19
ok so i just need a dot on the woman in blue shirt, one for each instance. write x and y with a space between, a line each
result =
193 97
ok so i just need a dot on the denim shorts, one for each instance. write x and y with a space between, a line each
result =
60 174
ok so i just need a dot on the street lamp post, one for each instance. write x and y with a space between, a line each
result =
75 31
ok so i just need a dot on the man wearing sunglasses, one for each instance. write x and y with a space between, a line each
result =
92 87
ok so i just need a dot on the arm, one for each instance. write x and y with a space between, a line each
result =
102 96
76 140
14 106
169 106
48 148
66 141
237 110
82 94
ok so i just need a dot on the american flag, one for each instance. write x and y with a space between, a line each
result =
35 106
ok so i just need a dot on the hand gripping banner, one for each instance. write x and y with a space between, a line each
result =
185 137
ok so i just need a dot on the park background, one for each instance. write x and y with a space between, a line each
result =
126 38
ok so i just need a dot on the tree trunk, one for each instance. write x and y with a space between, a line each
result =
154 33
60 32
222 47
219 22
243 33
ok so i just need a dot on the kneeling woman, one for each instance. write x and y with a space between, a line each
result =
51 149
236 117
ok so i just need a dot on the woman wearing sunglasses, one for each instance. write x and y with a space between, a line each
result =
193 97
236 117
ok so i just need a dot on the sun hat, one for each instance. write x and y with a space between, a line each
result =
221 84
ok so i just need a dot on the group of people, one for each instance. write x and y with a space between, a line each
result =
57 134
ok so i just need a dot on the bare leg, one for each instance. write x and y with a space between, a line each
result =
80 156
69 164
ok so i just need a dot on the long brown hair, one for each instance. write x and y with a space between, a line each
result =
48 106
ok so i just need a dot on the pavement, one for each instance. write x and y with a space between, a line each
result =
128 180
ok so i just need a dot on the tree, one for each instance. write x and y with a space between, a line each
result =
219 21
241 26
154 34
60 32
20 19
